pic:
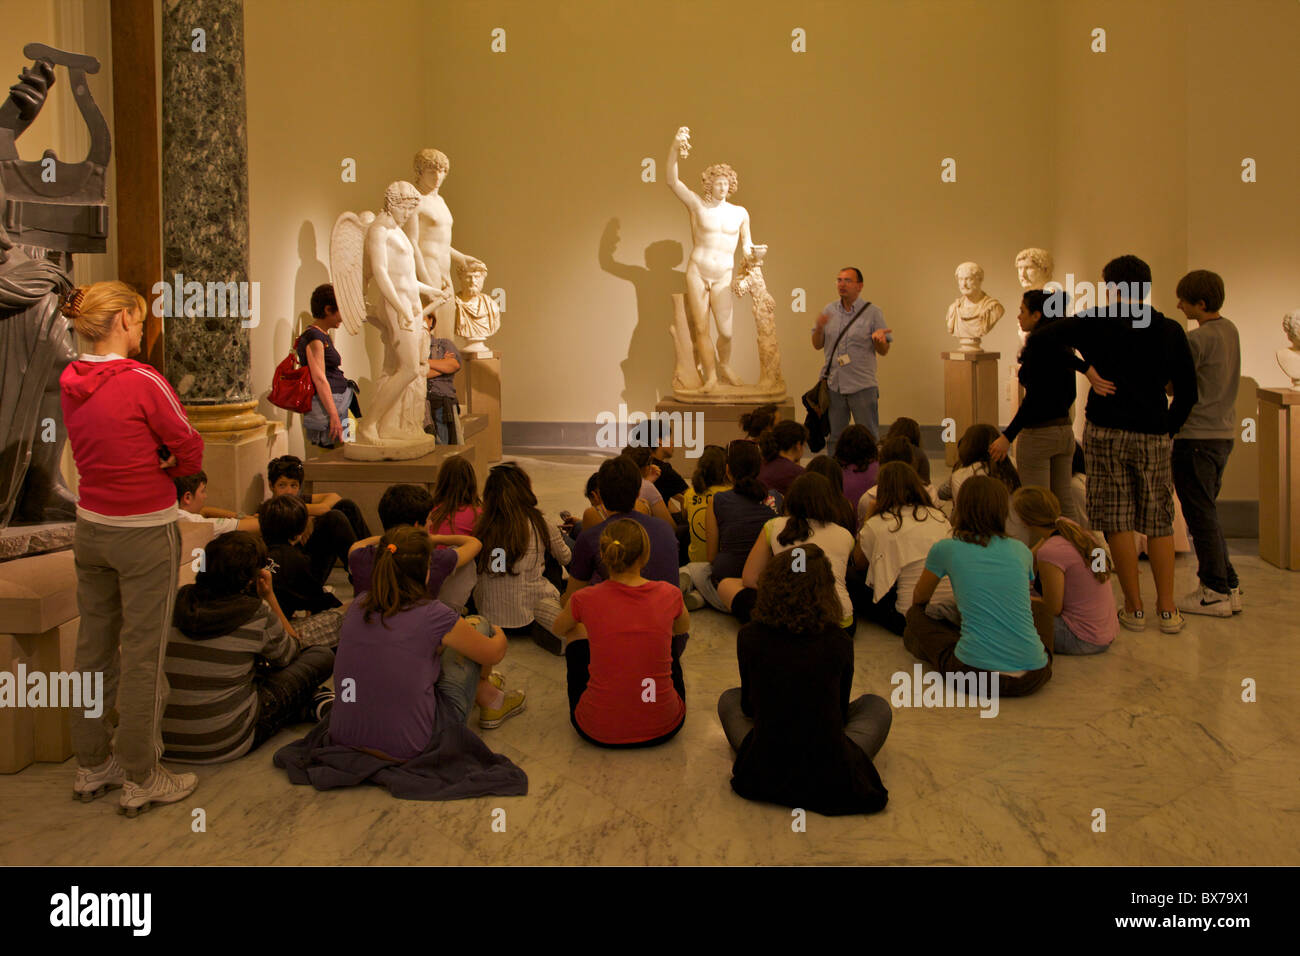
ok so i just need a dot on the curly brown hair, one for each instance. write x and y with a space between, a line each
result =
796 592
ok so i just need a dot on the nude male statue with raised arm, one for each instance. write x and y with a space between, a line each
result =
716 226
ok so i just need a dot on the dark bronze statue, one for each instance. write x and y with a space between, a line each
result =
48 211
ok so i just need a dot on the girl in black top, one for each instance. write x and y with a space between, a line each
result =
800 742
1047 374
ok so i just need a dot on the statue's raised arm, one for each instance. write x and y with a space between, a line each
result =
681 148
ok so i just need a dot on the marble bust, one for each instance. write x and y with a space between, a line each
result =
370 247
974 313
1033 267
1289 359
477 314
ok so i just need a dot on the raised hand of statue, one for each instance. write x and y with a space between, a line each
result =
29 92
683 141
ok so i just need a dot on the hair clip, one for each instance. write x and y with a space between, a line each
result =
392 548
71 307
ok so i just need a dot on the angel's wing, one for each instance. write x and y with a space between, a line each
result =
348 267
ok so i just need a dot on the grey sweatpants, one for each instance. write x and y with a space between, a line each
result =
126 590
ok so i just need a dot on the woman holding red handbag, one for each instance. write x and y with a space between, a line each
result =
324 423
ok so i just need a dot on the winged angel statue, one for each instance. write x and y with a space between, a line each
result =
363 248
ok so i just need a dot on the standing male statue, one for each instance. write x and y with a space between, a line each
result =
716 226
429 230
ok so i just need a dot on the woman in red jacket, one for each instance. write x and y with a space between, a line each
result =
130 438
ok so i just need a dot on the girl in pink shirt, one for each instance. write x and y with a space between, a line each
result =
1073 571
456 502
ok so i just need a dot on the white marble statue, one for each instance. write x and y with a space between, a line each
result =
367 248
975 312
716 227
1034 267
1289 359
429 230
477 314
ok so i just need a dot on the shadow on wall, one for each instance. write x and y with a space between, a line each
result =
648 368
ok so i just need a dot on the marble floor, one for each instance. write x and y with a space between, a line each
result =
1154 733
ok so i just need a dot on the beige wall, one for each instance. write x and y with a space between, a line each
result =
838 151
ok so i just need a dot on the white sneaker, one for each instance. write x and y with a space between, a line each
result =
163 786
94 782
1205 601
1235 596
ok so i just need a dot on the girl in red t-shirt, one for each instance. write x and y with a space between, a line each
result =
625 688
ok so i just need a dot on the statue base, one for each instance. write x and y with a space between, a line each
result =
1279 477
757 394
391 450
719 423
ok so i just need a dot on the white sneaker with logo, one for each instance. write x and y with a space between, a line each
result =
1205 601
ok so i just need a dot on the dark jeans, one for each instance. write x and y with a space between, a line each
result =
331 535
577 658
1197 465
284 695
867 725
883 612
935 643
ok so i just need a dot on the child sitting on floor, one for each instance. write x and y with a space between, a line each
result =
893 545
237 675
625 689
191 500
798 739
1073 575
299 585
334 522
456 502
1000 631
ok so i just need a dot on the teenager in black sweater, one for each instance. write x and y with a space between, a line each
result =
1129 436
800 742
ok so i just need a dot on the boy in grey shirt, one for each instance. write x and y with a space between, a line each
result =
1202 446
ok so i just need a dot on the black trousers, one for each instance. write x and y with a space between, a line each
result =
577 658
284 695
331 536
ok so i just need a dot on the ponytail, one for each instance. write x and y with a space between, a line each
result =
1040 508
401 572
623 545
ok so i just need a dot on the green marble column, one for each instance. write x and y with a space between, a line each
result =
205 206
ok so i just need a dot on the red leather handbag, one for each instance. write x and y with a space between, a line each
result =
291 385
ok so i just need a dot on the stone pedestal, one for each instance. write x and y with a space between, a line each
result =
970 392
478 387
235 459
1279 477
720 422
365 481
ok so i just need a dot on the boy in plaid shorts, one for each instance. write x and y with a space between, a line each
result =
1128 438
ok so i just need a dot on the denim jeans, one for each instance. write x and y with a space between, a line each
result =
316 423
458 676
1197 465
1064 640
863 404
283 695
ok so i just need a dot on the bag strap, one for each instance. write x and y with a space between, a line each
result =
827 370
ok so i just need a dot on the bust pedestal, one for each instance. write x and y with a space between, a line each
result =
970 392
479 392
1279 477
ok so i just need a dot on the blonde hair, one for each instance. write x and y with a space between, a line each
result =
623 545
94 307
1039 508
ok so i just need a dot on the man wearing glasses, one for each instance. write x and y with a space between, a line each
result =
851 364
